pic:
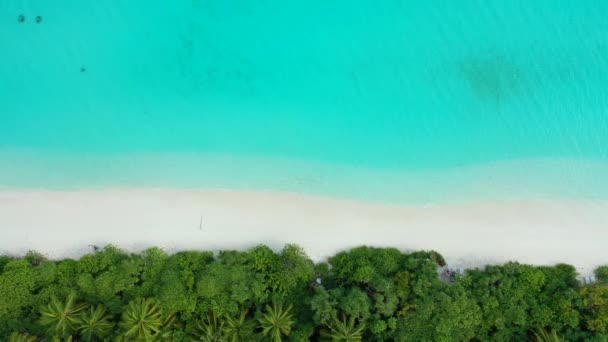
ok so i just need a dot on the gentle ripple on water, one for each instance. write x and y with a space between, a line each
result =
397 87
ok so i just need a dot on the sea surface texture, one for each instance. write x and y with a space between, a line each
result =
387 100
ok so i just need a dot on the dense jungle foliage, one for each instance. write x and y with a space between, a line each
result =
365 294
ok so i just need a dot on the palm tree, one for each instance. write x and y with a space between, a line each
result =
542 335
239 328
16 337
61 318
94 324
142 320
276 322
342 331
209 329
166 331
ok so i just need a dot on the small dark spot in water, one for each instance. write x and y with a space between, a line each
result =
83 69
21 18
490 78
38 19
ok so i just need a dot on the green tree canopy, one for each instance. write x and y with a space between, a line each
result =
142 320
61 317
276 321
94 324
369 294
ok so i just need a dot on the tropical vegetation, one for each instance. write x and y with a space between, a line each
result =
365 294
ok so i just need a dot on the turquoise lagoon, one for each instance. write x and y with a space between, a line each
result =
386 100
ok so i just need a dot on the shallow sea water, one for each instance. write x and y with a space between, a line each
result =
389 100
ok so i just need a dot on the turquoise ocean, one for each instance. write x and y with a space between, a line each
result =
385 100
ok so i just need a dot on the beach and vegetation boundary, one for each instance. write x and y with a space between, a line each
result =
371 294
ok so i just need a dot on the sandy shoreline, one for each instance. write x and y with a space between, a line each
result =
64 223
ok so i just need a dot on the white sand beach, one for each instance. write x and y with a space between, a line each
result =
64 223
